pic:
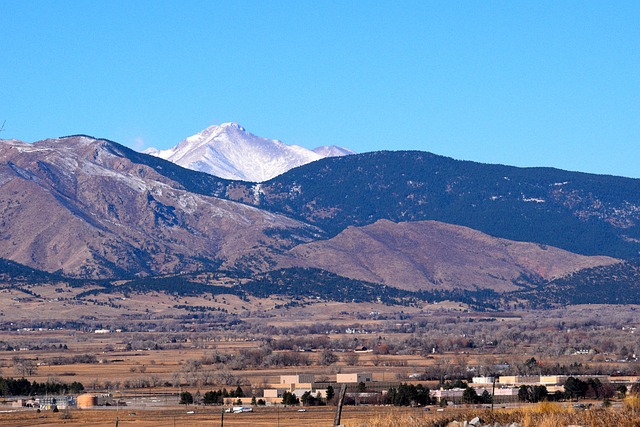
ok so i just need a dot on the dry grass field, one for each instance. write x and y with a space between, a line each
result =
540 415
204 416
58 303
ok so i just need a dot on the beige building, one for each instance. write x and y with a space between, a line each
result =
296 384
274 393
518 380
297 379
553 379
354 378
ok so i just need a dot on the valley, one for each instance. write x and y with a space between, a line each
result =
145 350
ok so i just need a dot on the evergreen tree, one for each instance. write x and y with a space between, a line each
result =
330 393
186 398
289 398
575 388
470 395
210 398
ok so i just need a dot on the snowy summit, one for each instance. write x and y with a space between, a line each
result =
229 151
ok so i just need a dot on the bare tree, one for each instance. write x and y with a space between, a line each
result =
191 371
24 367
376 360
351 359
205 376
328 358
175 379
154 380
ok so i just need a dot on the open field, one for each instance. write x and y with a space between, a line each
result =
155 346
541 415
285 417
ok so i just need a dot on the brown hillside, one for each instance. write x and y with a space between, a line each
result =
78 205
431 254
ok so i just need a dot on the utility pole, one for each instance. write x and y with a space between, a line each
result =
343 391
493 393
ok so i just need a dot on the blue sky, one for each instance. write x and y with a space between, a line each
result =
526 83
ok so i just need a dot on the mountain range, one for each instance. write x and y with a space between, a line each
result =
229 151
414 221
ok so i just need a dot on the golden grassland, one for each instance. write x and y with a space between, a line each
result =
59 303
204 416
544 414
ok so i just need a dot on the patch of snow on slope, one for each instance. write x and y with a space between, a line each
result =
22 147
135 183
257 191
533 199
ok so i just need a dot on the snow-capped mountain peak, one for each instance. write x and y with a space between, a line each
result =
230 152
332 151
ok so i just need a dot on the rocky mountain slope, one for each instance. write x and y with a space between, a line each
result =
81 206
229 151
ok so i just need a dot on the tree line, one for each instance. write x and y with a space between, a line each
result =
23 387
